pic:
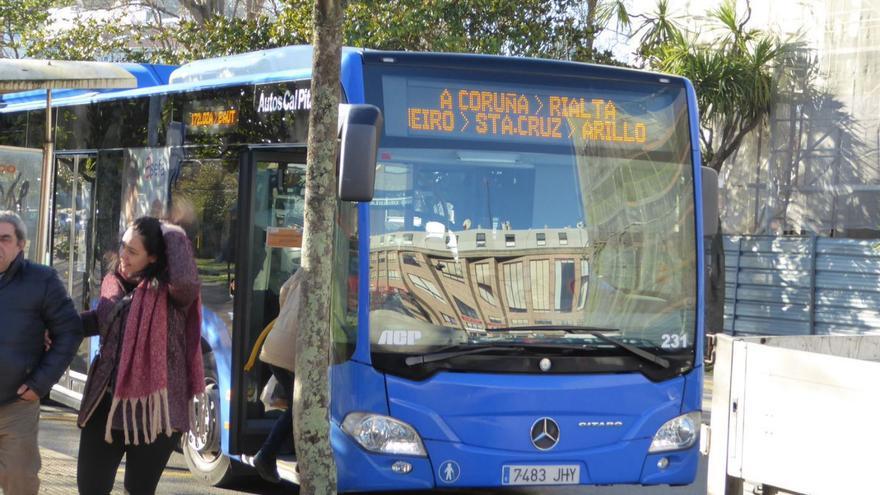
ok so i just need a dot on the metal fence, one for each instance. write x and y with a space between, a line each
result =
801 285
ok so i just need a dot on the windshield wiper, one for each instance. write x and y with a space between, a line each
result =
456 351
595 332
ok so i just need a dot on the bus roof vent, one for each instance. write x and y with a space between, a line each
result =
251 64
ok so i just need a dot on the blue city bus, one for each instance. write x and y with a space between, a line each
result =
517 295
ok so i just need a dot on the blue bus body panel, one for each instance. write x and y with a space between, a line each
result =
620 463
147 75
488 424
217 335
497 411
359 470
693 396
681 470
362 350
694 121
356 387
150 74
692 399
352 76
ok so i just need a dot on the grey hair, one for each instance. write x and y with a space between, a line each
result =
12 218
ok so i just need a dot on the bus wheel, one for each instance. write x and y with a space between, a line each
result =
201 446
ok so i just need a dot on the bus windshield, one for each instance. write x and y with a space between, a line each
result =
575 211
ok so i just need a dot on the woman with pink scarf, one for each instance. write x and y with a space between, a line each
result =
138 396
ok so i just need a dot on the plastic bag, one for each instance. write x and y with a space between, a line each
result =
273 396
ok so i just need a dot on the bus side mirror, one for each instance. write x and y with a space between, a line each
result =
360 127
710 201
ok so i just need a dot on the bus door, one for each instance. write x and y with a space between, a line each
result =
71 254
272 199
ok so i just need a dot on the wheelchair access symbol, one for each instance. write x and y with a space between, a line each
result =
449 471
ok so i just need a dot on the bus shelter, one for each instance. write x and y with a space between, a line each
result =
29 74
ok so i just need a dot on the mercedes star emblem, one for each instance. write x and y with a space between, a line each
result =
545 434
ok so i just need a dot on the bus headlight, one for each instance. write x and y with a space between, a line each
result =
383 435
677 433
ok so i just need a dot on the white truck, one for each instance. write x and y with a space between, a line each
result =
796 414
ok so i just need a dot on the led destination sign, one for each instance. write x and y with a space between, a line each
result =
433 108
213 117
512 114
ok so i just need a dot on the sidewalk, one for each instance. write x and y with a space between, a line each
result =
58 475
58 472
59 441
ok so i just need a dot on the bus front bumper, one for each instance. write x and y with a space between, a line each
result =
457 465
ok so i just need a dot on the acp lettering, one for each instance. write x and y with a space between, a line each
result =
399 337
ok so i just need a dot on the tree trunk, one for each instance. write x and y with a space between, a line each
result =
590 39
311 396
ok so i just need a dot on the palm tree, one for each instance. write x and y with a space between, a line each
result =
659 29
735 74
597 16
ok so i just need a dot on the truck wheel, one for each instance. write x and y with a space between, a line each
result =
201 446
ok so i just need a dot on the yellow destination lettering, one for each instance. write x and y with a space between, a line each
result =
563 106
424 119
488 101
462 100
598 130
598 105
612 131
210 118
413 118
499 113
506 126
610 111
555 105
523 105
482 126
523 125
445 100
229 117
434 119
627 138
494 118
555 123
491 102
641 133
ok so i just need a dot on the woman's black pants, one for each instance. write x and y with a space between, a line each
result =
98 461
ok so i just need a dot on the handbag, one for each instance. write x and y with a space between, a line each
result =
279 347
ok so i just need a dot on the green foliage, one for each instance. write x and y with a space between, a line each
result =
659 30
556 29
175 44
736 74
88 40
559 29
19 19
216 37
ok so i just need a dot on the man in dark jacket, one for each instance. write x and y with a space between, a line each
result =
33 301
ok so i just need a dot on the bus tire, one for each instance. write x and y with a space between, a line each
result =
201 446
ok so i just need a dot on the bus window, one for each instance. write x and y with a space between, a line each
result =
344 293
145 182
72 226
20 170
275 249
204 196
74 199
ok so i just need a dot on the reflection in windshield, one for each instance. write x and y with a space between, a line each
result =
465 241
